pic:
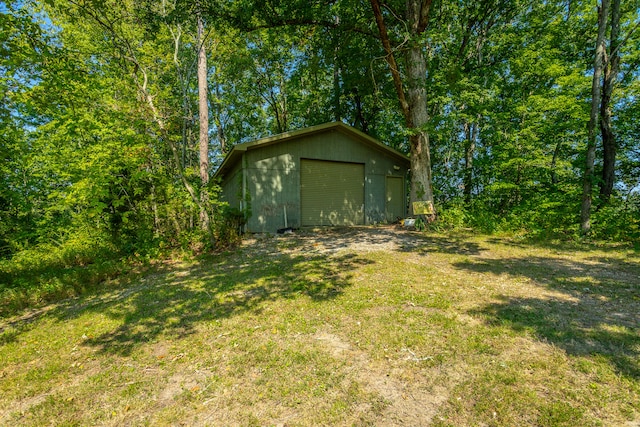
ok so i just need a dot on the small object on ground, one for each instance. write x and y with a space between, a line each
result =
286 230
409 222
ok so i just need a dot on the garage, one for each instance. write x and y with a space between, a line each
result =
326 175
331 193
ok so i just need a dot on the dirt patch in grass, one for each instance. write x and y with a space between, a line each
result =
359 326
406 403
328 240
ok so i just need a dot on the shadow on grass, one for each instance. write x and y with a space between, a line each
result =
566 244
80 281
446 244
598 313
339 238
173 299
171 303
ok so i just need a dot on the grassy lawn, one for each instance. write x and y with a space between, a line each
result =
356 327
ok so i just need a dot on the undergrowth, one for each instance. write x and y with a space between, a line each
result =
618 221
85 261
50 272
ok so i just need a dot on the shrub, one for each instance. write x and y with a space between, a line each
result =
453 217
53 271
230 226
619 220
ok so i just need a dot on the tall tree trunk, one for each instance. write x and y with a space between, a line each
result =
154 209
421 187
337 114
203 111
360 120
587 184
608 137
414 103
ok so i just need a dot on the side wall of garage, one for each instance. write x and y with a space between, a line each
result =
232 187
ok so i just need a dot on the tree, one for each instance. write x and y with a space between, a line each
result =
203 112
141 36
596 88
611 70
413 103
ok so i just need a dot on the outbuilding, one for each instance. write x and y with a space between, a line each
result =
325 175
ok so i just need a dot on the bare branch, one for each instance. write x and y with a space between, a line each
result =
391 60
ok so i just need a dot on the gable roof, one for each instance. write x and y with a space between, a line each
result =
236 153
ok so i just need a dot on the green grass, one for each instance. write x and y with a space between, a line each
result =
442 330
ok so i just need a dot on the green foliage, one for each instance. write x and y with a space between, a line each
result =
54 271
541 217
618 221
228 229
452 217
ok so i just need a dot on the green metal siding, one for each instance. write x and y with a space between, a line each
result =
273 183
331 193
232 187
395 200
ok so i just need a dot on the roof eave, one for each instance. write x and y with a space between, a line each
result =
229 160
237 151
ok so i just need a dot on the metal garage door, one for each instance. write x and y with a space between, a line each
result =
394 198
331 193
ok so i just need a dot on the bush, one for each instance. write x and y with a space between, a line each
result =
620 220
230 227
544 217
453 217
50 272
